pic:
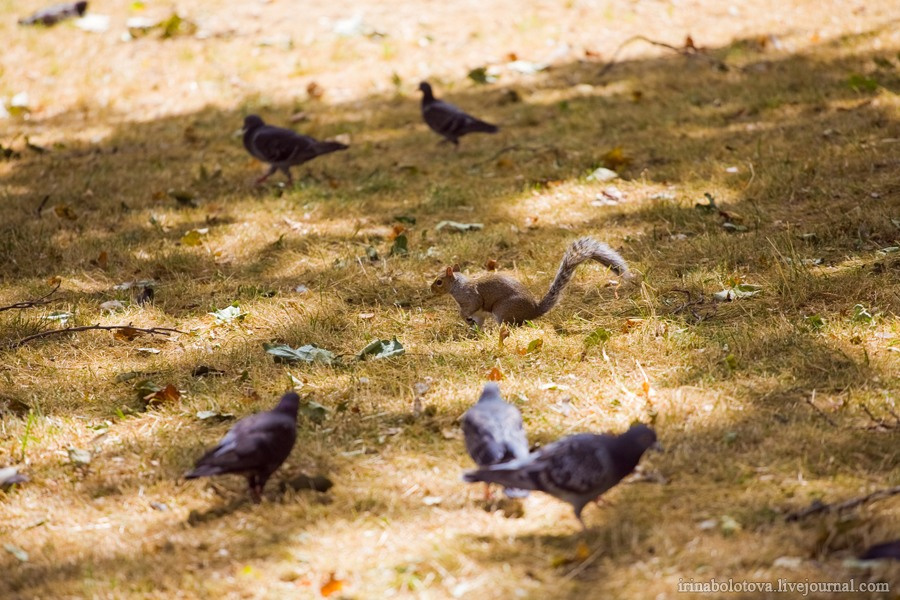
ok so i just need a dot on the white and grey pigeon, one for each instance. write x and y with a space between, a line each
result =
255 447
448 120
576 469
282 148
494 434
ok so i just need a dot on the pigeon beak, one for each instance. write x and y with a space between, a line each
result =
658 447
240 132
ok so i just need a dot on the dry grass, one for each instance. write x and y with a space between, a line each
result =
815 146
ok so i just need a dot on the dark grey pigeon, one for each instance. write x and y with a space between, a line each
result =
576 469
494 434
255 447
884 551
448 120
282 148
56 13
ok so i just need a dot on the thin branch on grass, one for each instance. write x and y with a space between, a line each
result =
166 331
45 299
686 50
818 506
881 423
41 206
812 402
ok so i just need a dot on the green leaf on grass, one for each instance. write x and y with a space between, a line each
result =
534 346
309 353
313 411
382 349
194 237
229 313
481 75
597 337
400 245
862 315
815 322
861 83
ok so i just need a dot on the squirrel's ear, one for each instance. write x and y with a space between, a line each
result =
456 267
450 272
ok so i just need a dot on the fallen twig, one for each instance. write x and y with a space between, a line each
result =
149 330
686 50
811 401
819 506
45 299
881 423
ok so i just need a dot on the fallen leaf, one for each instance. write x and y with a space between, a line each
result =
602 174
79 457
615 159
203 371
331 586
313 411
400 246
597 337
211 415
382 349
64 211
582 550
167 394
481 75
533 346
490 265
230 313
112 306
458 227
366 315
58 315
127 334
741 290
194 237
149 350
309 353
314 90
495 374
20 554
396 230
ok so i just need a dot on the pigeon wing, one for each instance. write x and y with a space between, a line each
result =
256 443
278 146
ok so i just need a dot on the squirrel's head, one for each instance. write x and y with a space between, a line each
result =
443 283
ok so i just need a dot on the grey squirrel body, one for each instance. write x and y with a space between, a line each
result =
507 300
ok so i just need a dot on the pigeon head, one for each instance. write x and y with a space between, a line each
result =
490 392
641 437
289 404
252 122
425 88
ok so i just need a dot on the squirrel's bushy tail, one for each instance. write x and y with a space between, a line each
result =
581 250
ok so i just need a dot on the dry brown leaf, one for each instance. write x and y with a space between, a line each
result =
495 374
169 393
64 211
505 163
689 43
582 550
315 90
103 260
490 264
331 586
504 333
127 334
631 323
616 159
398 229
55 280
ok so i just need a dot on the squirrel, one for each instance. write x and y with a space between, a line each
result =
508 300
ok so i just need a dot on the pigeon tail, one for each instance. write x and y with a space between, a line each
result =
328 147
205 471
481 127
514 477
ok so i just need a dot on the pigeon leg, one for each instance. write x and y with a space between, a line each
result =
268 174
255 489
578 510
290 178
487 492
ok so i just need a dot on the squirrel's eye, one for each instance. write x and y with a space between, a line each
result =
438 283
